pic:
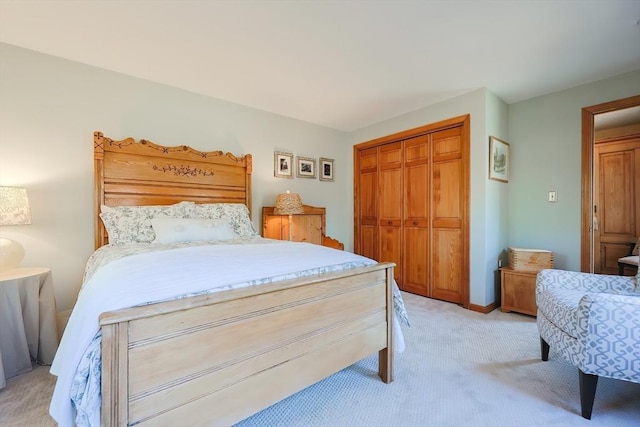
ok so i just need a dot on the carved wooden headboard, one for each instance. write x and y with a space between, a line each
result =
130 173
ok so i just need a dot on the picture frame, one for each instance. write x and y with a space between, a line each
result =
499 159
306 167
326 169
282 164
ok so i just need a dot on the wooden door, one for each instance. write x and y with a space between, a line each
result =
447 215
366 195
412 200
390 206
416 215
616 192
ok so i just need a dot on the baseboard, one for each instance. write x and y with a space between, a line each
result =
483 309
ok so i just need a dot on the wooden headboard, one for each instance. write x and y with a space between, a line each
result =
130 173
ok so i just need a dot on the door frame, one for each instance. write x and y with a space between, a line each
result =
588 141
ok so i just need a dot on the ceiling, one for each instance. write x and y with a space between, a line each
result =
344 64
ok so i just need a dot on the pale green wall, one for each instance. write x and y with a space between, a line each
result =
546 138
496 230
49 109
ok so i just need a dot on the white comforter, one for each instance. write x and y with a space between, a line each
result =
160 275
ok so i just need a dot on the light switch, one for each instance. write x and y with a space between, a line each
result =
553 196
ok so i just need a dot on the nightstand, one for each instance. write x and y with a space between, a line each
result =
308 226
27 320
518 288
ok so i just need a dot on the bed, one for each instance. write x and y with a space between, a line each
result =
202 356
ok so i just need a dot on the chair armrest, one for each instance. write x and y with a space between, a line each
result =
574 280
611 323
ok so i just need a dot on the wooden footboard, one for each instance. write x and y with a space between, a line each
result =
219 358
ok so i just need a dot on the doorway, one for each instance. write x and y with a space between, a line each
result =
589 199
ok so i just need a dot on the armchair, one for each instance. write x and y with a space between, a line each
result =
593 322
631 259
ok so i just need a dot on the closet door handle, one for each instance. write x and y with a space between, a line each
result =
388 222
415 222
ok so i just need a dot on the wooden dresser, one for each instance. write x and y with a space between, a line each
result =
309 227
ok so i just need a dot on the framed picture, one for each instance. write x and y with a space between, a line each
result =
306 168
498 159
326 169
283 164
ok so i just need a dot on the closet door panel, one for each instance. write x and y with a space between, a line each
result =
390 206
416 261
447 209
416 215
447 186
447 265
366 242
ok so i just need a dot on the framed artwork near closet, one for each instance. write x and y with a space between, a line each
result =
498 159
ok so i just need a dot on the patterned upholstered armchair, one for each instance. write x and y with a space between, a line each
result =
592 321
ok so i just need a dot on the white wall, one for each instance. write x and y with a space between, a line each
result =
484 252
49 109
546 138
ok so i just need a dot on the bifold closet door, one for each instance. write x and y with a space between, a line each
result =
367 204
416 215
390 206
447 213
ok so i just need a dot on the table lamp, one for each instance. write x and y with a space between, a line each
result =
289 204
14 210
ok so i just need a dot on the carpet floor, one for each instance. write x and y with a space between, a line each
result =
460 368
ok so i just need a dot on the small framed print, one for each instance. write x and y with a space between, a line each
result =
283 164
326 169
306 168
498 159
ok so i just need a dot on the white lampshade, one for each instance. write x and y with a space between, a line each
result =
14 210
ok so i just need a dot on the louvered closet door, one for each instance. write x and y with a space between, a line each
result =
416 215
447 213
367 203
390 206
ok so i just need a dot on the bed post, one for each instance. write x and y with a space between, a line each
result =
249 169
385 356
98 182
115 399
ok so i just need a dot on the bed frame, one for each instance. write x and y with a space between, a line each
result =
217 359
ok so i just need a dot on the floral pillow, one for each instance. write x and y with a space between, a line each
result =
237 214
132 224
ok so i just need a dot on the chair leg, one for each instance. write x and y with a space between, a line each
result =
544 349
588 384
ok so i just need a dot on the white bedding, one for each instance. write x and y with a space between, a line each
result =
128 281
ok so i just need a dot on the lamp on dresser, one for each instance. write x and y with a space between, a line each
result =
289 204
14 210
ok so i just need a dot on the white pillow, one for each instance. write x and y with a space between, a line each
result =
175 230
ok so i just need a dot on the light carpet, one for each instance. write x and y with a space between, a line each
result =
460 368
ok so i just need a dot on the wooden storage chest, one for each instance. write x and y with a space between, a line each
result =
518 291
530 259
